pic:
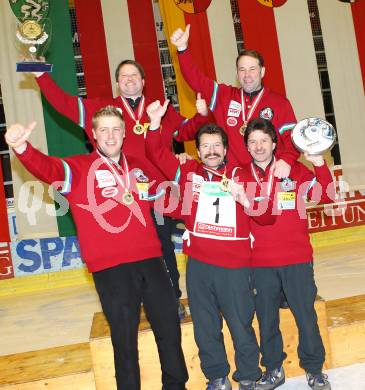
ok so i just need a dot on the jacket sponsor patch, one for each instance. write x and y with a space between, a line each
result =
231 121
233 112
287 184
109 192
267 113
140 176
197 183
105 178
235 105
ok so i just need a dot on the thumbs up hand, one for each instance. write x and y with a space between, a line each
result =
16 136
180 38
201 105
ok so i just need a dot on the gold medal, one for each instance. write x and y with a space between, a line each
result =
147 125
138 128
243 128
246 116
127 198
30 29
225 183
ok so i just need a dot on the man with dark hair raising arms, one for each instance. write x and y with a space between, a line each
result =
282 258
214 208
118 242
234 107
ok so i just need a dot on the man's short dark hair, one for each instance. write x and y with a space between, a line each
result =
211 128
250 53
129 62
263 125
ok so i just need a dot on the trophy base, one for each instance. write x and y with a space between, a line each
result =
33 67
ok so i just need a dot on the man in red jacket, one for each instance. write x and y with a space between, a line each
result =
282 258
118 241
130 80
234 107
217 241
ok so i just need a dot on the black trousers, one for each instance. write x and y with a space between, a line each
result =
164 226
121 290
297 282
215 293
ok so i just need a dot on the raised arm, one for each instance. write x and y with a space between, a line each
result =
321 188
185 129
197 80
157 152
62 102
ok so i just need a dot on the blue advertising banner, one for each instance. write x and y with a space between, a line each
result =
31 257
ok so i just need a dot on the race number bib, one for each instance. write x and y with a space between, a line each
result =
216 213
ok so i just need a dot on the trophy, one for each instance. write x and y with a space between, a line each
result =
33 32
313 135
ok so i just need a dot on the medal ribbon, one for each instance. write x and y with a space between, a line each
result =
253 107
270 181
215 172
116 174
140 109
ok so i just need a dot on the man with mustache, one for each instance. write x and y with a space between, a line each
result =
215 209
234 107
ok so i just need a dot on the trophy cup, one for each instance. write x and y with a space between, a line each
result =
313 135
33 33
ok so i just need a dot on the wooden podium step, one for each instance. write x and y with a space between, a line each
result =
102 352
346 329
68 367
